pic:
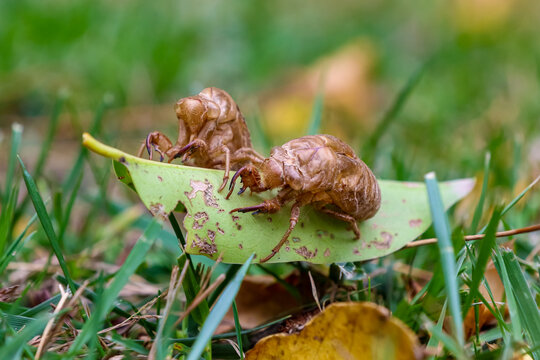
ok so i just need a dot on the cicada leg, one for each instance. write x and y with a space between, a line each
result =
272 206
155 141
189 149
295 214
345 217
247 154
242 155
227 153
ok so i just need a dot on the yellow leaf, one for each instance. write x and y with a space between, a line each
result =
354 330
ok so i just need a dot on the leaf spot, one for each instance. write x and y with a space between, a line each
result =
303 251
296 239
219 230
157 210
199 219
206 188
327 252
211 235
387 239
204 247
415 222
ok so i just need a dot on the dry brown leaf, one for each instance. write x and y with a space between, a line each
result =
349 94
259 300
481 16
353 330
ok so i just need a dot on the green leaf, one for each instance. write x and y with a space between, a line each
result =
212 231
238 329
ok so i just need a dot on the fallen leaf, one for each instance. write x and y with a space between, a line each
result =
212 230
349 93
354 330
260 299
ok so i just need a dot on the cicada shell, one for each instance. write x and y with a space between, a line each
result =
212 133
320 170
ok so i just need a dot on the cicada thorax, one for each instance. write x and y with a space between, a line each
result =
311 163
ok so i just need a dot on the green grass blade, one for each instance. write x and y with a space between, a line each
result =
233 268
521 195
94 129
191 280
515 323
92 296
486 246
167 322
434 341
191 340
480 206
51 132
12 348
46 223
368 152
178 233
6 217
238 329
191 289
130 344
16 136
449 343
15 247
526 305
67 211
515 200
446 251
317 111
110 294
218 312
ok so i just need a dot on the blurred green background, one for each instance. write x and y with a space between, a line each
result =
479 90
412 86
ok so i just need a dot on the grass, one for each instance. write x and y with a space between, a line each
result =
64 220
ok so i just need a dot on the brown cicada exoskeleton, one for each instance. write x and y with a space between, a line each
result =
212 133
320 170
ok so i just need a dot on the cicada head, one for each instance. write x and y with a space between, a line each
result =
195 111
258 178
